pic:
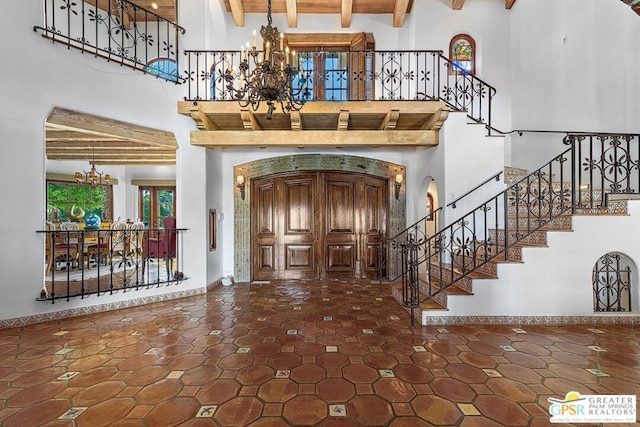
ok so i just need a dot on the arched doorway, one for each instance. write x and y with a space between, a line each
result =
312 163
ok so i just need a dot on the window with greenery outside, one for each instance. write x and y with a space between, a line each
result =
64 196
156 203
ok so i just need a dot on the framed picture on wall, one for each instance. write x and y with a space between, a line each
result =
212 230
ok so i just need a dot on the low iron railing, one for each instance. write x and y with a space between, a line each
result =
85 262
586 178
116 30
423 75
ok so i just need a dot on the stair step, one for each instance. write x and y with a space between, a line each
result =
514 254
562 223
537 238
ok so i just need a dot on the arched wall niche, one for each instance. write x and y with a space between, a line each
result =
307 162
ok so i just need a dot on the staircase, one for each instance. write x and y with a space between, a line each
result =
583 180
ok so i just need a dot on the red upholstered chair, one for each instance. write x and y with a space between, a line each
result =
161 249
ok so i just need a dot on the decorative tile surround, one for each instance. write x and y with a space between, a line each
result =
306 162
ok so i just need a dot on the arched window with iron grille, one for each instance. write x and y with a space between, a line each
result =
612 276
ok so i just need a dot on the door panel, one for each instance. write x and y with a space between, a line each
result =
298 242
374 218
264 238
299 205
317 225
299 256
340 238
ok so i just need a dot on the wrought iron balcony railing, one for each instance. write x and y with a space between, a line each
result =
116 30
355 76
85 262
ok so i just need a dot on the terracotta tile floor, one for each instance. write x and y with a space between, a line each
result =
335 353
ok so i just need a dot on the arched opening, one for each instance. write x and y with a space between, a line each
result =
613 276
252 171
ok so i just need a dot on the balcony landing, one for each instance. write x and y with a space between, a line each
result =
318 124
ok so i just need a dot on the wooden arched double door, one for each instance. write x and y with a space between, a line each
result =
308 225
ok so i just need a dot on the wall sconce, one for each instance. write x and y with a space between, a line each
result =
240 185
398 185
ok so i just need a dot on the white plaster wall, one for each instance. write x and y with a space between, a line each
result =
470 157
37 77
555 281
574 73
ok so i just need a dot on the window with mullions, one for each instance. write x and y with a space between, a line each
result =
156 203
462 52
333 67
326 73
67 200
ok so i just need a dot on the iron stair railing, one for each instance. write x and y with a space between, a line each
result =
116 30
585 178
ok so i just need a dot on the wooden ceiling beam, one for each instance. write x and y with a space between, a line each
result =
319 107
203 121
237 11
106 145
249 121
457 4
436 121
343 120
292 13
99 126
346 11
400 12
308 138
111 151
296 120
52 134
508 4
390 120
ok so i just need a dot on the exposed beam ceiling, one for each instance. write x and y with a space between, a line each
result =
397 9
400 12
457 4
77 136
345 8
345 13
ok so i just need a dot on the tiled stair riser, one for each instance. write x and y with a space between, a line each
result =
537 238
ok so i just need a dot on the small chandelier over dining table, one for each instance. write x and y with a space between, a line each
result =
92 177
268 75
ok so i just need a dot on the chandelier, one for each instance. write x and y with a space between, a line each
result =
92 177
268 75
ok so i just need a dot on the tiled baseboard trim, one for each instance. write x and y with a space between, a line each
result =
532 320
213 284
99 308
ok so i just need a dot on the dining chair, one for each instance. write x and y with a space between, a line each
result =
119 241
136 237
161 249
58 250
